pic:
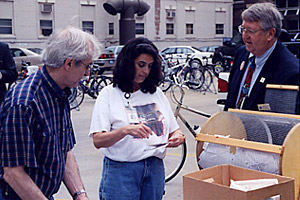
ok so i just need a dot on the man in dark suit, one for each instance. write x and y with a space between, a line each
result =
272 62
8 72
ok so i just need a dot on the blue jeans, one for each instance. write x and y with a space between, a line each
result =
142 180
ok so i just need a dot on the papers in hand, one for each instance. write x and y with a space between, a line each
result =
155 140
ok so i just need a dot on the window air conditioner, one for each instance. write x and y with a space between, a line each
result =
46 8
171 14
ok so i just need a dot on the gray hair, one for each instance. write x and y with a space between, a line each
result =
69 43
266 14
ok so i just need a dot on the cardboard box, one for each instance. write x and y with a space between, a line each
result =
213 184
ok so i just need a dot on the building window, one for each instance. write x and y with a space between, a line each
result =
110 28
170 29
139 28
88 26
189 29
5 26
46 27
219 29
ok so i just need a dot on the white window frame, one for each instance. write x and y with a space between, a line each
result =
86 26
46 27
189 30
137 29
170 28
220 28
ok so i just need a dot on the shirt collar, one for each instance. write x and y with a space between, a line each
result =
52 85
261 60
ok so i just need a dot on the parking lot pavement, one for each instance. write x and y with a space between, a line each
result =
89 159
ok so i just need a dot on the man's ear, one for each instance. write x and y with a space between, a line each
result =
271 34
68 63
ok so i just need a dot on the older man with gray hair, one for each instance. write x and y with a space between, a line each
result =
36 133
262 60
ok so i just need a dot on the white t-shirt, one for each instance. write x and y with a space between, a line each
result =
152 109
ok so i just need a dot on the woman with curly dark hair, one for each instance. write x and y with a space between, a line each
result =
124 70
133 124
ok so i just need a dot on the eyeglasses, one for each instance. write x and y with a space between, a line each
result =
87 66
247 30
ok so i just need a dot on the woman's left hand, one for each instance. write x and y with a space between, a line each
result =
176 138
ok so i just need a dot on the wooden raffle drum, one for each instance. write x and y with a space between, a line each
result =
227 123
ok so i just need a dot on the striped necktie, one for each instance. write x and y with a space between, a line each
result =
246 86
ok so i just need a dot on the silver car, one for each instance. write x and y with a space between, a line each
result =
109 56
180 54
22 54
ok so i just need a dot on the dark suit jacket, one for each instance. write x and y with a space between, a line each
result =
282 67
7 69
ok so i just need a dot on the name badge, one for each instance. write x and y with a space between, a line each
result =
264 107
132 115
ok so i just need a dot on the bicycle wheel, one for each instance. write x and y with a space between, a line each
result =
104 81
195 63
218 68
174 160
93 89
76 97
208 78
194 78
165 84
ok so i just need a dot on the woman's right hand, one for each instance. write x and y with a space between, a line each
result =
137 130
107 139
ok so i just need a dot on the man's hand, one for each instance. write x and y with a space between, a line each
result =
72 178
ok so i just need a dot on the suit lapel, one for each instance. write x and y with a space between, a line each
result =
264 77
240 73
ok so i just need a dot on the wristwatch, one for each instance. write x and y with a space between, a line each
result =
76 194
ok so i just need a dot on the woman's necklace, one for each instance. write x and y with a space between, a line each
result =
127 95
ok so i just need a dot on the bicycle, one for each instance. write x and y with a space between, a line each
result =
177 156
223 65
26 70
182 74
209 74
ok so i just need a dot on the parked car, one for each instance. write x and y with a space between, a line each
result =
22 54
224 54
36 50
209 48
222 89
180 54
108 58
291 43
